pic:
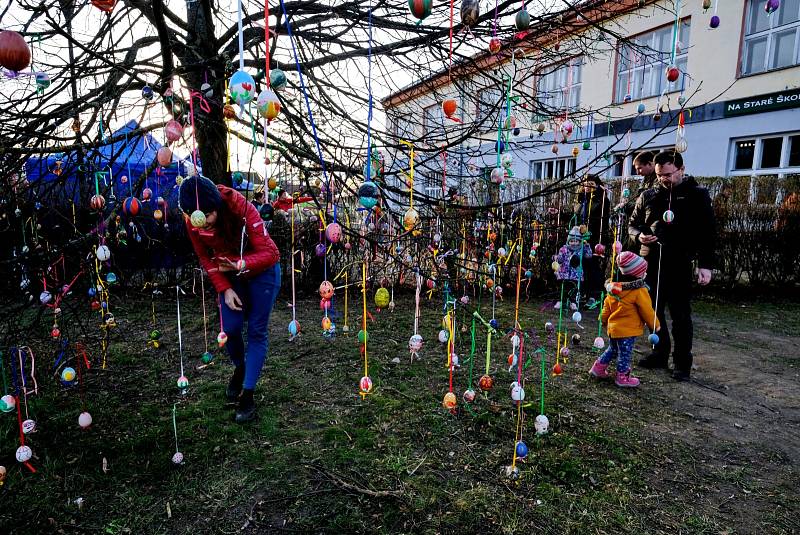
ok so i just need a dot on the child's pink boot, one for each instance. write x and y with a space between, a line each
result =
625 380
599 370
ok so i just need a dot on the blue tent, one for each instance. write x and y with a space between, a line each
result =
117 167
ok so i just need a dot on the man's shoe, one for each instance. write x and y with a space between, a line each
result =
246 410
680 375
653 361
235 385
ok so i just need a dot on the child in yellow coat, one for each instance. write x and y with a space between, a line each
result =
626 310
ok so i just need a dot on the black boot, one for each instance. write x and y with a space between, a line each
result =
654 360
235 384
681 375
246 410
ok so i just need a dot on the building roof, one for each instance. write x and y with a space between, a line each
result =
583 14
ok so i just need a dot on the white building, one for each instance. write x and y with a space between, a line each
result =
739 84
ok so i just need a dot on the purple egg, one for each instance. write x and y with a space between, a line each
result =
320 249
714 23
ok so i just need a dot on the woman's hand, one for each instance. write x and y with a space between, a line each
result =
232 299
224 265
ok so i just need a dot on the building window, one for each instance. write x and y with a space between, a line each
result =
544 170
766 155
642 63
431 119
489 107
558 87
403 128
771 40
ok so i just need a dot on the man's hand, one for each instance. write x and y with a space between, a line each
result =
647 238
703 276
232 300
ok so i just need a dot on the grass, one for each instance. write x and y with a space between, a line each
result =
321 459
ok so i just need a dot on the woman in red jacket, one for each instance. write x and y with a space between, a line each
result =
241 260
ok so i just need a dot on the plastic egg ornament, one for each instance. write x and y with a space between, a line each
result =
363 337
177 458
164 156
242 88
420 8
494 45
521 450
564 352
24 454
714 22
410 219
42 80
549 327
523 20
206 89
706 4
97 202
365 385
15 54
576 317
444 336
541 424
415 343
7 403
641 108
2 474
599 343
681 145
469 395
599 249
268 104
84 420
517 393
28 427
486 383
673 74
68 375
183 382
326 323
294 327
198 219
449 107
333 232
326 290
111 278
653 339
368 194
617 246
382 298
669 216
449 402
222 338
173 130
147 93
772 6
103 253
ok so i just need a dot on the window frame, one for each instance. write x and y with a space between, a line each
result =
756 169
482 110
426 128
769 33
579 61
679 85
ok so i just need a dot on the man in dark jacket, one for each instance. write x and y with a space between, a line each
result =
673 223
645 168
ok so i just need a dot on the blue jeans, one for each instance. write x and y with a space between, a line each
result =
620 349
258 296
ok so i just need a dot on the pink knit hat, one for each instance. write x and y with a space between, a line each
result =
632 264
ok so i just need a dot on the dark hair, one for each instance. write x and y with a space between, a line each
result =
669 156
643 157
591 177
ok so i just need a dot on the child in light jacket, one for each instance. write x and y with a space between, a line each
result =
626 310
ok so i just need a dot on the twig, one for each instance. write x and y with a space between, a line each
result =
354 488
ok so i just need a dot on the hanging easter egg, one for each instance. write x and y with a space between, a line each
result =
470 12
444 336
541 128
147 194
368 194
177 458
517 393
494 45
506 160
486 383
97 202
198 219
111 278
228 111
277 79
641 108
365 385
669 216
242 88
627 98
772 6
326 323
268 104
183 382
164 156
469 395
554 148
576 317
207 357
449 402
415 343
500 146
653 339
382 298
68 375
42 80
103 253
15 55
158 215
24 454
333 232
131 206
714 22
320 250
706 4
567 128
576 340
84 420
55 332
599 249
681 145
617 246
2 474
498 175
673 73
363 336
106 6
8 403
599 343
523 20
541 424
521 450
28 427
294 327
207 90
326 290
222 338
587 145
173 130
449 107
575 151
420 8
557 369
494 324
147 93
45 297
564 352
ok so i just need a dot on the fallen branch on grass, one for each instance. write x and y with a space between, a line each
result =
344 485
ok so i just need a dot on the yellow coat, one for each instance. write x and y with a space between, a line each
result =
626 313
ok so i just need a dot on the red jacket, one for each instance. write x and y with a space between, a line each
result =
260 251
